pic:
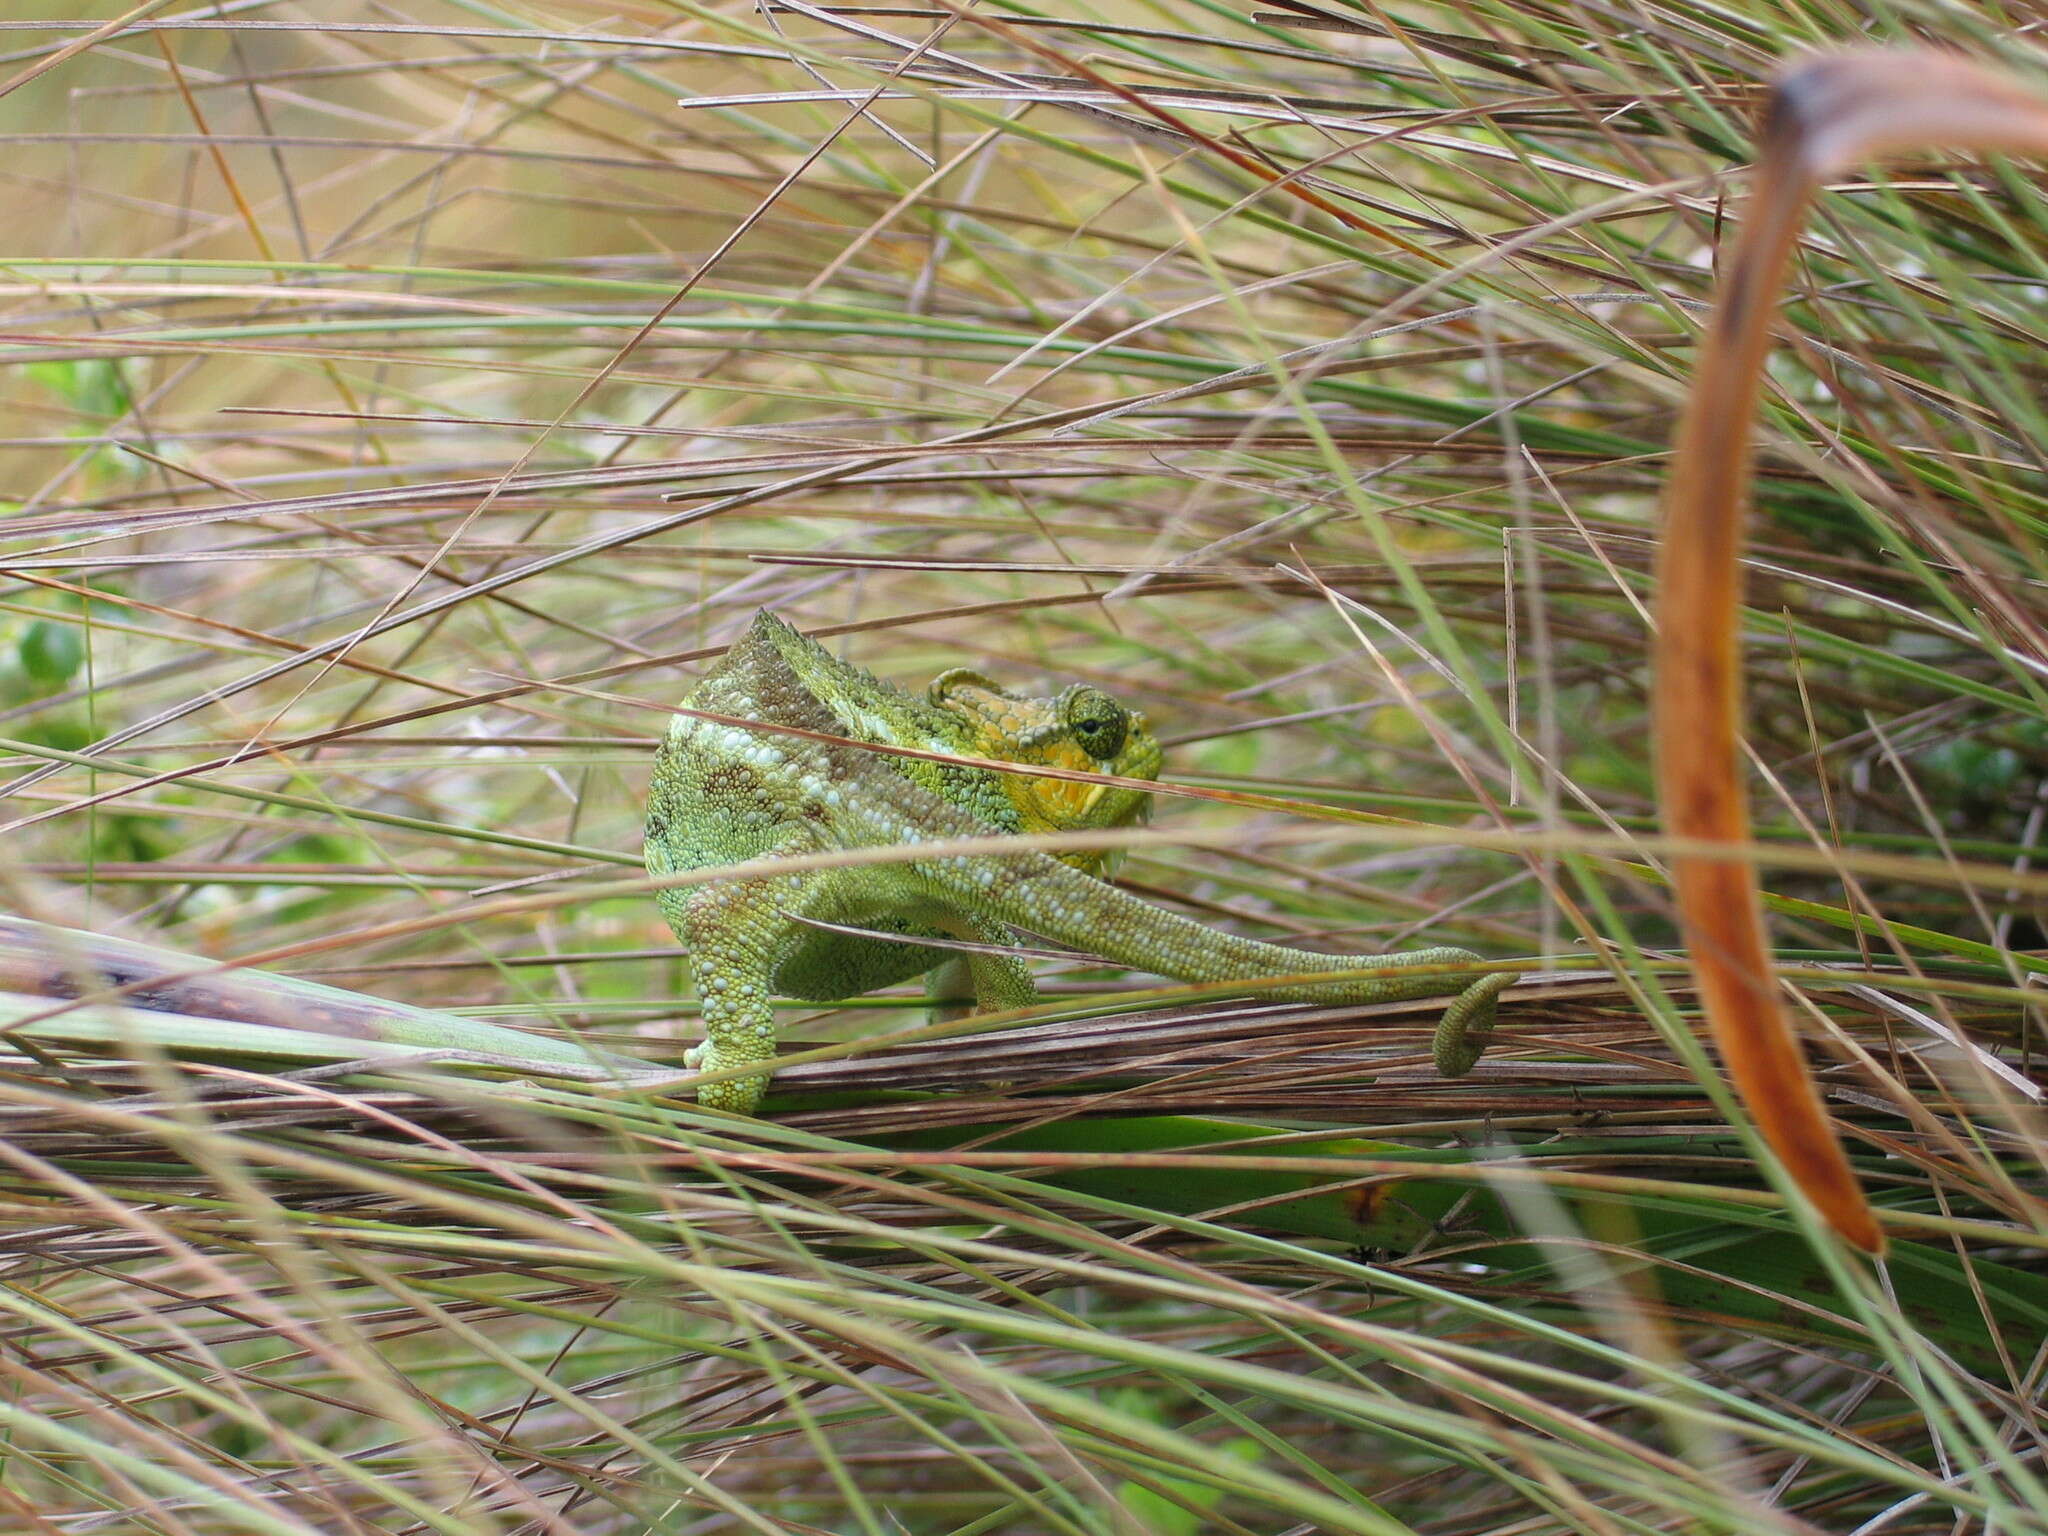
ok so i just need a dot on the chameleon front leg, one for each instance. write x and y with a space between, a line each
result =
734 933
996 983
1040 894
993 983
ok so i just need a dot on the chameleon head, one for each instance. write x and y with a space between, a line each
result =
1082 728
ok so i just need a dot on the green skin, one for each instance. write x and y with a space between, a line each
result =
724 795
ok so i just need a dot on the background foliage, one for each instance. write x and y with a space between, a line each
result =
402 401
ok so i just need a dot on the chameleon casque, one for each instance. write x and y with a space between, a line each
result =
722 794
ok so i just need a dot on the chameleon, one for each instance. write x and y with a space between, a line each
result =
723 794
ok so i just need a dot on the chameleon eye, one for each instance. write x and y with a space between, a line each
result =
1098 722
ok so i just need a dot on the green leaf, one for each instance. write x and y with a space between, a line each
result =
51 652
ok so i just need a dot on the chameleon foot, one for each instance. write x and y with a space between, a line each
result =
736 1096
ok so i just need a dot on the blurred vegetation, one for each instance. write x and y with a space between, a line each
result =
403 402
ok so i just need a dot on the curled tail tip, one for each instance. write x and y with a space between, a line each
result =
1467 1027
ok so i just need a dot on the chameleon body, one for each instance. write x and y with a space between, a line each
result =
723 794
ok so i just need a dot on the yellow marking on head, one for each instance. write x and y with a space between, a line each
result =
1054 805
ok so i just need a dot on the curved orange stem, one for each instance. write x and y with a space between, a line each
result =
1824 114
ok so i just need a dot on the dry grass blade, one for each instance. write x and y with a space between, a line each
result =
1824 115
1303 380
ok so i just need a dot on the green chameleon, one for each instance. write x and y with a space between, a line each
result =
723 794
